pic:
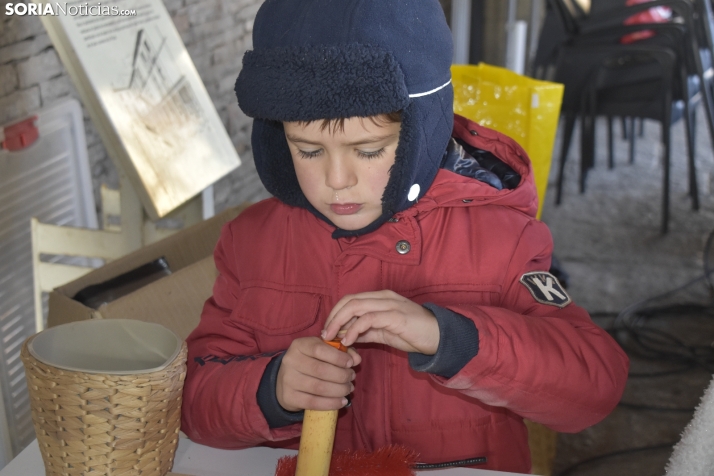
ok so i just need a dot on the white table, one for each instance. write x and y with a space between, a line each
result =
199 460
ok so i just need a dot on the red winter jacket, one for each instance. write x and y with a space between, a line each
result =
281 272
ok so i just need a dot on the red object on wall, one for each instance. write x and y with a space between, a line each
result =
20 135
653 15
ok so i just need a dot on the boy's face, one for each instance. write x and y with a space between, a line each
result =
343 173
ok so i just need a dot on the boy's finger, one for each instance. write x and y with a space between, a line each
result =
315 348
345 299
329 355
314 402
376 320
324 372
318 387
384 294
356 307
356 358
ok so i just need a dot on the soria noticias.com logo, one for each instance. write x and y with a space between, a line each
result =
72 9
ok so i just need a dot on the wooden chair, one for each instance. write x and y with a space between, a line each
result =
125 228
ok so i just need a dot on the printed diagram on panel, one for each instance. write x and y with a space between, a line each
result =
164 108
149 102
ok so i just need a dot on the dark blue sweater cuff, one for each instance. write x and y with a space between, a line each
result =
458 344
274 414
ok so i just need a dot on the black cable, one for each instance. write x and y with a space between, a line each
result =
637 406
632 308
572 468
642 345
707 269
691 308
603 314
663 373
450 464
659 346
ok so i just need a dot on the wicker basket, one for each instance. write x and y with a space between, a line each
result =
105 424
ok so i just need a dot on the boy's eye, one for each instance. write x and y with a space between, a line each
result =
305 154
372 154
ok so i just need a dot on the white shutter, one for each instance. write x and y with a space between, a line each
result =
49 180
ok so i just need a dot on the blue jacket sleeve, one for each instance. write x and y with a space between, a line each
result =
458 344
274 414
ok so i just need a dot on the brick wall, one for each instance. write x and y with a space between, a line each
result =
216 34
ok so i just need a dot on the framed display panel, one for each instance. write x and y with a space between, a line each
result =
146 98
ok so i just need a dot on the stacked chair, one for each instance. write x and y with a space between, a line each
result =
665 77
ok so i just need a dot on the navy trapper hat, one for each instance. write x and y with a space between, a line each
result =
329 59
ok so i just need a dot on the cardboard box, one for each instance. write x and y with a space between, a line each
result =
174 301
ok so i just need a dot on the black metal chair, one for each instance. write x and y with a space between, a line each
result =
685 86
608 93
695 15
575 66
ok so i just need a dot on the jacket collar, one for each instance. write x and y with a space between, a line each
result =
401 233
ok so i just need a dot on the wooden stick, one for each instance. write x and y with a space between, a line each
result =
318 437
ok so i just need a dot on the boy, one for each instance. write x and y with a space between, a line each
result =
422 249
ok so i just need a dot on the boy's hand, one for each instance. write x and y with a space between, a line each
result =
315 376
384 317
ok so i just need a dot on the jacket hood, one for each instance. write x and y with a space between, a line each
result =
453 190
327 59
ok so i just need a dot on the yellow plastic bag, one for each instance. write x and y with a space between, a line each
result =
520 107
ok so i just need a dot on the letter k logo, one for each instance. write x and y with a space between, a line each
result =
545 288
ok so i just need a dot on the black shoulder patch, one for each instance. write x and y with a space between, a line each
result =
546 288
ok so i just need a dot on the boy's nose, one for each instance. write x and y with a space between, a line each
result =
339 175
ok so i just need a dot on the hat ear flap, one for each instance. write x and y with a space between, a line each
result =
418 155
274 162
396 190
